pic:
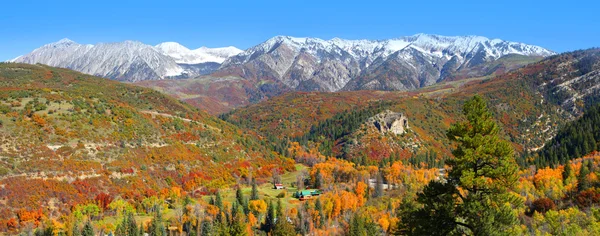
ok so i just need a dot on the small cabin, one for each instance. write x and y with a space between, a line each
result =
278 186
307 194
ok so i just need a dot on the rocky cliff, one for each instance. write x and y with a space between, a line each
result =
389 122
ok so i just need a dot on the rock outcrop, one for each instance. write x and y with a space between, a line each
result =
389 122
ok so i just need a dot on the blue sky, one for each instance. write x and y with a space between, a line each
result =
556 25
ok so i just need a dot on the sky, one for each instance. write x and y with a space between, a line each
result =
557 25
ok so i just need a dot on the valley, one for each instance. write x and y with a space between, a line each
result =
152 156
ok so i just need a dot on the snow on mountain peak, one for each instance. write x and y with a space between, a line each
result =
172 47
65 41
203 54
435 45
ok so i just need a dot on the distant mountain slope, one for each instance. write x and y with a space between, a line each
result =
130 60
284 64
66 137
184 55
406 63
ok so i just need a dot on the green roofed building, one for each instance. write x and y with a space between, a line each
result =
307 194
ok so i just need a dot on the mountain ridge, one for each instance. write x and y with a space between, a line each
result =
332 64
129 60
283 64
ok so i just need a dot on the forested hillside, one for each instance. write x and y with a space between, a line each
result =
530 103
68 138
575 139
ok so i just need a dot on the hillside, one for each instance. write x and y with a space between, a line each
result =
577 138
68 137
530 103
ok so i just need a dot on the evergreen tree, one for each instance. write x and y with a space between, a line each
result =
270 218
157 227
318 180
128 226
485 167
302 225
141 232
207 228
357 226
221 228
219 200
378 186
582 180
238 225
239 196
76 231
567 171
283 228
88 229
46 231
361 226
132 229
254 194
279 210
319 208
121 228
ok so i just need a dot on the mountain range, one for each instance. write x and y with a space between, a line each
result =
220 79
406 63
130 60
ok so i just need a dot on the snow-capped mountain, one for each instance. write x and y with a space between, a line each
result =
129 60
395 64
184 55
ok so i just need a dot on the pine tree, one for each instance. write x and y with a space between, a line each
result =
378 186
279 210
76 231
207 228
219 200
582 180
318 179
270 218
567 171
283 228
485 167
157 227
238 225
239 196
88 229
357 226
319 208
46 231
132 228
121 230
300 222
254 194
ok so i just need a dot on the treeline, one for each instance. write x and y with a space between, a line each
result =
576 139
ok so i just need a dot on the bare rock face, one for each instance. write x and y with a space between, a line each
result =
389 122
